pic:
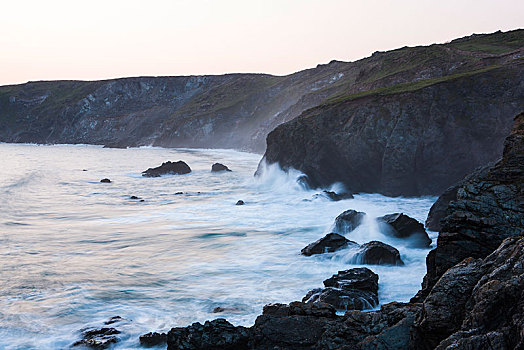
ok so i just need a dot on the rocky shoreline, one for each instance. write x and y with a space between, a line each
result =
472 295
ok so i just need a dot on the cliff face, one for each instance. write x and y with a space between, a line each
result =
488 208
229 111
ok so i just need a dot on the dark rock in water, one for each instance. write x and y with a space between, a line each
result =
220 309
177 193
174 168
334 196
354 289
219 167
134 197
378 253
217 334
489 208
358 278
328 244
403 226
114 319
348 221
105 181
84 169
98 338
153 339
240 202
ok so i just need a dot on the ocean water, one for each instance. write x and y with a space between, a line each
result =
75 252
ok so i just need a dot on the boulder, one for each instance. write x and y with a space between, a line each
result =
335 197
377 253
403 226
106 180
240 202
328 244
354 289
219 167
212 335
153 339
174 168
348 221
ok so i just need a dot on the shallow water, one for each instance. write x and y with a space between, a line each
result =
74 251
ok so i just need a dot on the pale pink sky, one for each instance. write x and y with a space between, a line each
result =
95 39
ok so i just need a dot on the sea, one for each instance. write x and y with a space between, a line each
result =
75 252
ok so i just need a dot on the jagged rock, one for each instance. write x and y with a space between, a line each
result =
153 339
488 209
240 202
438 210
115 319
377 253
212 335
169 167
134 197
328 244
98 338
403 226
105 181
348 221
354 289
219 167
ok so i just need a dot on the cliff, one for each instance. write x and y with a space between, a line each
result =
228 111
409 139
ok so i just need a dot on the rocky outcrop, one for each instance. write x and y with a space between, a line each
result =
226 111
212 335
437 212
415 139
354 289
403 226
153 339
217 167
172 168
328 244
489 208
348 220
377 253
98 338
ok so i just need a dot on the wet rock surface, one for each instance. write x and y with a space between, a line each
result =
105 181
378 253
348 221
173 168
354 289
402 226
153 339
489 208
217 334
98 338
328 244
217 167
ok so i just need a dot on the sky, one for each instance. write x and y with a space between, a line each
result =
89 40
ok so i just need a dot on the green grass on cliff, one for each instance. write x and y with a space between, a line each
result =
495 43
407 87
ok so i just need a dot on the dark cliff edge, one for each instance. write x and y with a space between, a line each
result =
227 111
473 297
414 139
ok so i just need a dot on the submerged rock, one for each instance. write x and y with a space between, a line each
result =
219 167
335 197
328 244
174 168
403 226
240 202
105 181
220 309
378 253
98 338
348 221
354 289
